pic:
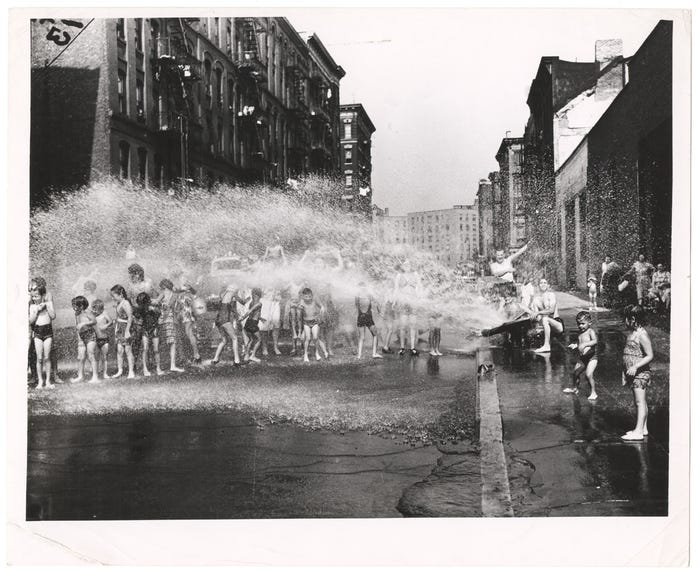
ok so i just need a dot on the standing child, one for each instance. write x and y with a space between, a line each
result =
251 325
637 356
148 317
87 338
311 311
226 324
592 293
187 318
388 314
271 314
435 333
41 313
102 324
122 331
363 304
293 316
167 303
588 359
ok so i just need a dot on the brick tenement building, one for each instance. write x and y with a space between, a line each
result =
356 144
614 192
511 223
452 235
162 100
556 84
485 208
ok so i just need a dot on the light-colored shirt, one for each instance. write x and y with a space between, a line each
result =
503 271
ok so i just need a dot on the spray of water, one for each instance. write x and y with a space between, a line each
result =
87 233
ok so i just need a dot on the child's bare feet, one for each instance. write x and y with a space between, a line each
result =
76 379
146 373
543 349
131 376
438 353
94 380
255 359
318 357
175 369
306 358
592 397
377 356
572 390
49 385
117 374
160 372
632 435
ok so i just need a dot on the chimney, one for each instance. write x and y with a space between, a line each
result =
606 50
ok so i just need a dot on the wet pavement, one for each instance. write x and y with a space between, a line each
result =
565 456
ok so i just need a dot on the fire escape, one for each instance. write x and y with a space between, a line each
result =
300 124
253 74
176 69
321 127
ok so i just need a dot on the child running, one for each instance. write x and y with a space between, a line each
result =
122 331
365 321
148 317
311 311
251 325
588 359
41 314
637 356
226 324
87 338
102 324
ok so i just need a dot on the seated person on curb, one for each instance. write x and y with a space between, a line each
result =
545 310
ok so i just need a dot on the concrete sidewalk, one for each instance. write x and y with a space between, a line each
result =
564 454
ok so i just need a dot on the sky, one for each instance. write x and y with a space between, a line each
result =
444 86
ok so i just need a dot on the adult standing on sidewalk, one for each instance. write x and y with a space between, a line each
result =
642 273
502 267
546 311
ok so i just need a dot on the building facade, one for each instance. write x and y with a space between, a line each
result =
356 149
551 123
451 235
485 209
614 192
169 101
510 226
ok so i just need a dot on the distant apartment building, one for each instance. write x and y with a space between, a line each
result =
356 156
485 209
451 235
509 225
168 101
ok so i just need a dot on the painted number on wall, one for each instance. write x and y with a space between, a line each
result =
57 33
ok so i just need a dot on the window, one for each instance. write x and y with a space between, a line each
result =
120 28
121 90
139 34
348 156
155 34
219 87
143 157
348 181
347 134
124 159
139 100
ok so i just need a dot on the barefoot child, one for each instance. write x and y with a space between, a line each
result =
122 331
226 323
41 313
87 339
148 316
588 359
592 293
637 356
102 324
365 321
293 316
311 311
251 325
167 303
435 333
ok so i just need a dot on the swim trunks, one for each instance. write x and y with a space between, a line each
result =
251 326
120 333
102 341
87 334
42 332
365 319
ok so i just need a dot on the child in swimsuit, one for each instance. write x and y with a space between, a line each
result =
637 356
148 318
592 293
311 311
388 314
293 315
226 324
363 304
122 331
251 325
588 359
87 339
167 303
187 318
41 313
102 324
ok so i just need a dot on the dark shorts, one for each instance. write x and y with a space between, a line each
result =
166 332
251 326
87 334
585 359
642 380
102 341
42 332
365 319
310 322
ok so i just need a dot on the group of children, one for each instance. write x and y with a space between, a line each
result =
637 356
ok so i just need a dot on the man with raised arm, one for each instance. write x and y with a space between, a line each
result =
502 267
